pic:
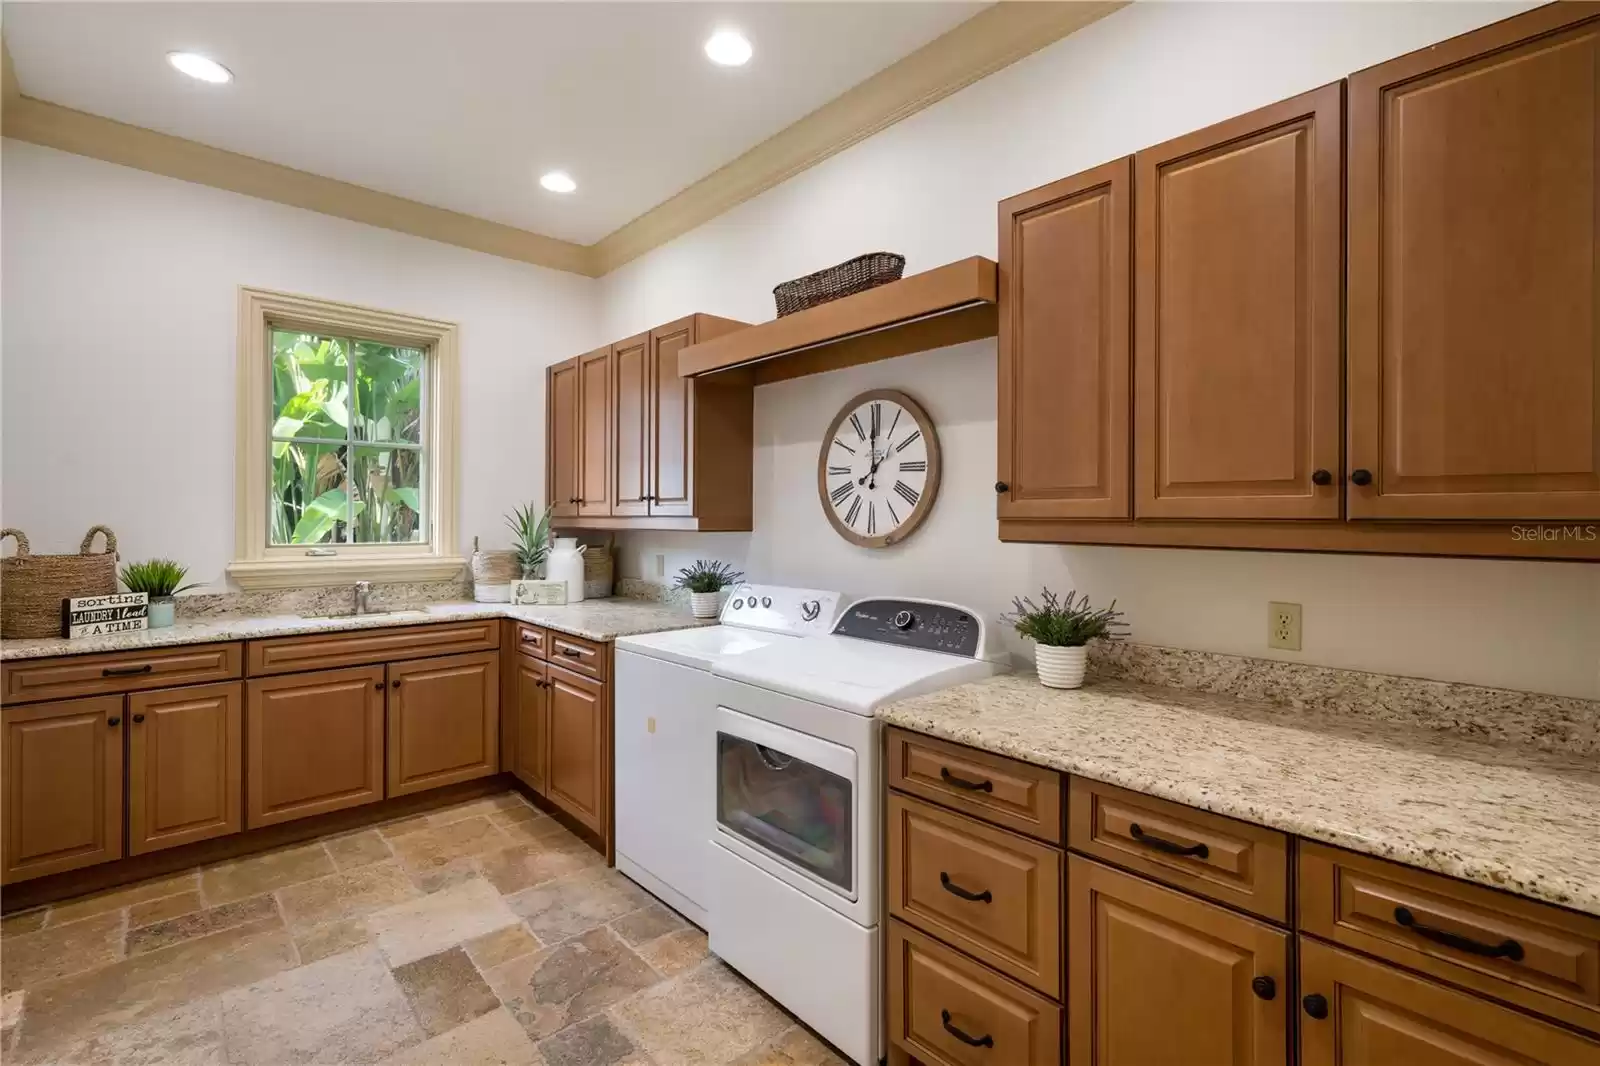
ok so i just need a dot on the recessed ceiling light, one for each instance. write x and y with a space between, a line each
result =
728 48
558 181
198 66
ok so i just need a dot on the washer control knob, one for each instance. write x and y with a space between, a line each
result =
766 601
737 604
810 609
904 620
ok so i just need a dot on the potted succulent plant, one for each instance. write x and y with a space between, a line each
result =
705 581
531 538
1061 628
161 580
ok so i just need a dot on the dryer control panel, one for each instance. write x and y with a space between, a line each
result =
924 624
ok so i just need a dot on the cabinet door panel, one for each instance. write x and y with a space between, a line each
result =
444 721
1377 1014
579 743
561 475
1474 302
62 786
671 436
533 724
1157 976
1238 269
1064 359
185 766
594 433
314 743
630 372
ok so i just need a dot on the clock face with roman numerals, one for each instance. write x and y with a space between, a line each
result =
878 473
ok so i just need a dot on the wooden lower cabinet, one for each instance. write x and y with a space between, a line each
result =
1357 1012
314 743
62 792
1155 976
444 721
531 706
946 1010
185 765
579 747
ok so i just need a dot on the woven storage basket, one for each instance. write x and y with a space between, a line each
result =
597 572
852 276
33 586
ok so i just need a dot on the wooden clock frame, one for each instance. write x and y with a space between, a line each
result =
930 485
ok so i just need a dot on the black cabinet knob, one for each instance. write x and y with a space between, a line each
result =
1315 1005
1321 477
1264 987
1001 487
379 686
395 683
138 718
113 721
1362 477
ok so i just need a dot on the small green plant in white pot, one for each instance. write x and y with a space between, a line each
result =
1061 630
531 538
161 580
705 581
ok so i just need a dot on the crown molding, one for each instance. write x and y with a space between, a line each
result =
989 41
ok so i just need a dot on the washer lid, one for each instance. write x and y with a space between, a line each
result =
850 674
699 648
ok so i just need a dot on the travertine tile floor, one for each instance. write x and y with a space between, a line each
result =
481 934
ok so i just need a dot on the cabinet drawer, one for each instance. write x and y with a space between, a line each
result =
999 790
119 671
949 1011
993 894
1230 861
579 655
321 651
531 640
1531 954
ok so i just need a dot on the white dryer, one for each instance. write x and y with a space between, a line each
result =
665 733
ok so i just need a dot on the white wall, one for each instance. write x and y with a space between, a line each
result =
928 188
118 338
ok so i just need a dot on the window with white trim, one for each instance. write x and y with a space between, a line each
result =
346 446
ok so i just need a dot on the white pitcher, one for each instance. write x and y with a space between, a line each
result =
566 564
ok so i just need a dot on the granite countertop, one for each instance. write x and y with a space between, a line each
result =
602 620
1507 816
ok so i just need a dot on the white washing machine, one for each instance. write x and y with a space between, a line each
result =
664 733
796 861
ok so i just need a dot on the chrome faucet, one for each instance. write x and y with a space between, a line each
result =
363 594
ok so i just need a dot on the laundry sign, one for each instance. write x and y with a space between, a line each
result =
91 616
543 593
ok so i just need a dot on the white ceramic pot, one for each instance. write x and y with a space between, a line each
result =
705 604
162 612
1061 667
566 564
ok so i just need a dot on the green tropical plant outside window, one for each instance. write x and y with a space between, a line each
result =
348 455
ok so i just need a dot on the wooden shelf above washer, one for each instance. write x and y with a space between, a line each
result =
948 305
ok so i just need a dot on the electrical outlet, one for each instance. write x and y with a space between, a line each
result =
661 566
1283 626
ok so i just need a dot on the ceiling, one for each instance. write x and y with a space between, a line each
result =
464 105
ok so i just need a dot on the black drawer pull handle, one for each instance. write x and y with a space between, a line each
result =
972 1041
961 782
126 671
956 890
1316 1005
1199 851
1506 949
572 653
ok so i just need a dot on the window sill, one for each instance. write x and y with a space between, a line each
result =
255 574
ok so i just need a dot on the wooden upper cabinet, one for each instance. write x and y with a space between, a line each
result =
1064 359
444 721
313 743
185 765
578 746
62 774
1238 257
532 710
671 421
1474 298
1155 976
1356 1012
561 420
594 432
630 446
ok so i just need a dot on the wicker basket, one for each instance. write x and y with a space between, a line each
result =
492 574
33 586
852 276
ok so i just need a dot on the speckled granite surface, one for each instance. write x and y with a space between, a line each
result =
1510 816
595 619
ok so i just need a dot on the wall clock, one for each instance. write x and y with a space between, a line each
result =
878 472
